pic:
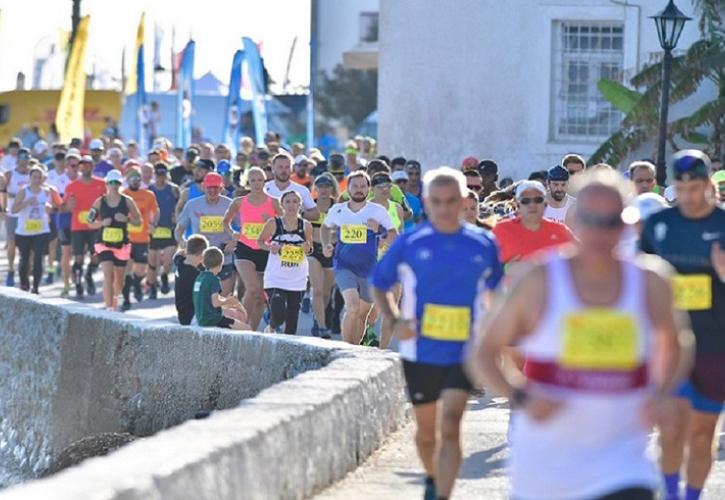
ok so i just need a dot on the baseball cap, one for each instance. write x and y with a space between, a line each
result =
96 144
207 164
40 147
86 159
399 175
23 154
299 159
114 176
690 164
647 204
470 162
526 185
223 167
557 173
161 169
323 180
73 153
487 167
212 179
133 172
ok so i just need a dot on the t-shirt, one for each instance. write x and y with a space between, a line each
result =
396 195
58 181
207 219
146 203
180 176
357 245
517 242
102 168
206 285
274 191
416 207
185 276
85 194
443 276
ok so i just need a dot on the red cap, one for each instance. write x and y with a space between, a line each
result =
213 179
470 162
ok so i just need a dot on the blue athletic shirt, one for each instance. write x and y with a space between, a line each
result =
443 278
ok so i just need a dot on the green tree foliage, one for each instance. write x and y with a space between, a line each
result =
349 95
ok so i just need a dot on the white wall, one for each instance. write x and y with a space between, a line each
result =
473 77
339 28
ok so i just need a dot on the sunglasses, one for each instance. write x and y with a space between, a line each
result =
538 200
382 185
475 188
114 183
608 221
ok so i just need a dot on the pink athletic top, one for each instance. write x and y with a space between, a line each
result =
252 219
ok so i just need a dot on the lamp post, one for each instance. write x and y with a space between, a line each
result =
669 22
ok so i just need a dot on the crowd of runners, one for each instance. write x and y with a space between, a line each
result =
594 300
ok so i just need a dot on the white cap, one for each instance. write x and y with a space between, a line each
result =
526 185
73 153
671 193
299 159
96 144
114 175
115 151
643 206
40 147
399 175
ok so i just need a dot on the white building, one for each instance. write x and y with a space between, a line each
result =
512 80
347 34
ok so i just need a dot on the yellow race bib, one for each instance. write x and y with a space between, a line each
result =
292 254
600 339
133 228
83 217
452 323
252 230
354 233
162 233
112 235
692 292
33 225
211 224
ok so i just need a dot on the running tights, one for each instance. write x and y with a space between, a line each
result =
38 245
284 307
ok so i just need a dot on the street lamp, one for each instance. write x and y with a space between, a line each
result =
669 22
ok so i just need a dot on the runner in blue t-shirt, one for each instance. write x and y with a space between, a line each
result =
359 226
446 269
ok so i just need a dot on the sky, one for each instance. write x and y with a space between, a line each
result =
29 27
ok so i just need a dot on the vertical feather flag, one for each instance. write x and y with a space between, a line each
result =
256 79
69 116
136 84
232 117
185 96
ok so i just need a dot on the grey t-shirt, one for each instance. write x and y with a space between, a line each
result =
208 219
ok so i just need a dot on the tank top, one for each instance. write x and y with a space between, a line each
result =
195 191
34 220
595 360
166 199
252 219
393 211
17 182
116 234
559 214
289 269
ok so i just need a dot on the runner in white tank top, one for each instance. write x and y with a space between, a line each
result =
602 349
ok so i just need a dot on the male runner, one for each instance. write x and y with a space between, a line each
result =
163 244
15 181
558 201
447 268
282 170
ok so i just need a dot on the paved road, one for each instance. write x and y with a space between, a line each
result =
393 471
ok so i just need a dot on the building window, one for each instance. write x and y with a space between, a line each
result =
584 53
368 27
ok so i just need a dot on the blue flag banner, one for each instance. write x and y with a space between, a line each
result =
233 116
185 97
256 79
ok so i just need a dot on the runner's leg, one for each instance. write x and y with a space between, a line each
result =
453 404
701 434
253 300
24 248
425 435
317 285
294 299
108 282
673 431
351 330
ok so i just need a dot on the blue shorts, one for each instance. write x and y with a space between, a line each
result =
699 402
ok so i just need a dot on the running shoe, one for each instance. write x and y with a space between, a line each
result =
267 316
430 490
90 284
305 308
126 306
79 290
325 333
25 287
153 294
137 292
165 284
51 276
315 331
10 279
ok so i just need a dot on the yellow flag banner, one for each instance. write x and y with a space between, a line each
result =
69 116
131 83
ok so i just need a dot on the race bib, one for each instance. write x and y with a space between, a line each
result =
162 233
252 230
135 229
354 233
112 235
600 339
83 217
292 254
33 225
692 292
452 323
211 224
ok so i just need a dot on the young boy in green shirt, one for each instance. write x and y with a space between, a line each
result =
211 308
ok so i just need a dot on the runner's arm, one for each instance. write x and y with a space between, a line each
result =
308 237
181 224
229 216
134 216
18 202
267 232
183 197
311 212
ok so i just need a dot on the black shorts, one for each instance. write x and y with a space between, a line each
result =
226 272
225 322
108 256
426 382
140 253
325 262
83 241
162 244
257 257
64 237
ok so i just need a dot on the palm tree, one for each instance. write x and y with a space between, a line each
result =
703 61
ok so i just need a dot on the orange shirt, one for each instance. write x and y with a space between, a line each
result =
302 181
146 202
85 195
518 243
